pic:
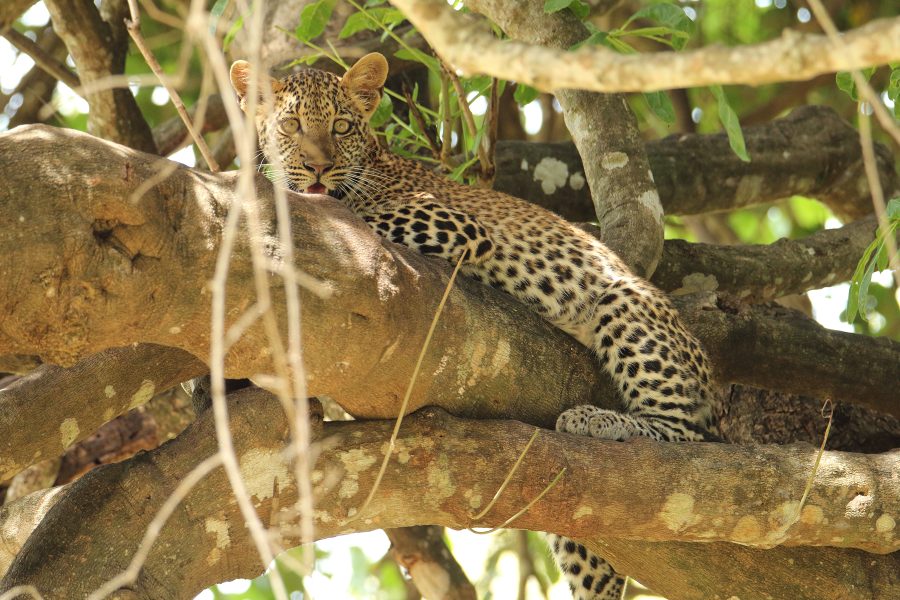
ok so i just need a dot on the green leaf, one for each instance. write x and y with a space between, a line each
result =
597 38
845 83
552 6
856 281
730 122
673 17
524 94
893 90
893 208
232 31
384 111
216 13
417 55
314 19
578 7
661 106
373 20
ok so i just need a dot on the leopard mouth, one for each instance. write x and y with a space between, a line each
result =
316 188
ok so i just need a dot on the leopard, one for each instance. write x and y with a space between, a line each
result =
315 125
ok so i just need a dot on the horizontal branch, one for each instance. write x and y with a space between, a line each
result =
811 152
763 272
685 492
469 45
775 348
37 421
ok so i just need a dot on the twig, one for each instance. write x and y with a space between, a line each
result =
184 487
42 59
812 475
133 26
420 121
508 477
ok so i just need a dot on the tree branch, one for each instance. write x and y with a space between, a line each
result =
469 45
98 388
42 59
763 272
852 497
811 152
99 44
124 294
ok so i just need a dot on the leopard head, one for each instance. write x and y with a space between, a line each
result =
315 125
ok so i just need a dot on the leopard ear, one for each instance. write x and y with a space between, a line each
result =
364 81
240 80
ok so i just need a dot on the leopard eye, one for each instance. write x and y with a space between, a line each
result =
290 125
341 126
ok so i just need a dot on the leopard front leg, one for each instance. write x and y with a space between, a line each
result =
435 230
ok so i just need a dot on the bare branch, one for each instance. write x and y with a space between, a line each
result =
763 272
97 389
469 45
43 59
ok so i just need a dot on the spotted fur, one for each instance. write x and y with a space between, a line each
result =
555 268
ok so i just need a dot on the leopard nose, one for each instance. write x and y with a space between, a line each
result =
319 168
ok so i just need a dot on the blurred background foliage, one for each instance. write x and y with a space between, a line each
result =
412 119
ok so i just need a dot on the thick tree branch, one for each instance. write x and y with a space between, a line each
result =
775 348
625 199
97 390
107 282
441 475
469 45
98 44
811 152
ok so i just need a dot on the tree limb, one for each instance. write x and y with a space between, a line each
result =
98 389
811 152
852 497
43 59
763 272
98 44
469 45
